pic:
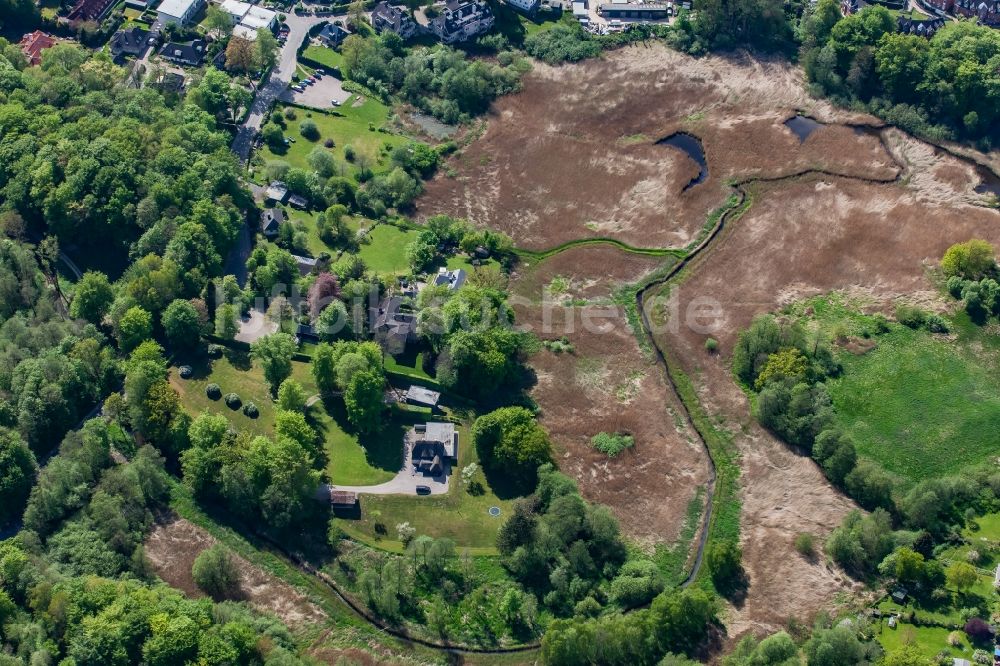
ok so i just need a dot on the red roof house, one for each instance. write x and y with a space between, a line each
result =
34 43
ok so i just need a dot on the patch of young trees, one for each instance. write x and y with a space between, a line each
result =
443 235
441 81
355 370
257 478
972 274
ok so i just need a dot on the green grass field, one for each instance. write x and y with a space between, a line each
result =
385 251
235 373
918 404
409 363
352 125
367 462
929 641
350 461
325 56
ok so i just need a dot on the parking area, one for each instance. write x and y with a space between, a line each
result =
320 95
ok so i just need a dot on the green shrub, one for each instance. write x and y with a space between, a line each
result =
804 543
250 410
215 572
612 444
711 345
909 316
213 391
233 401
309 129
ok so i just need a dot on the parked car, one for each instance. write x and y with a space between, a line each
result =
334 102
320 71
423 490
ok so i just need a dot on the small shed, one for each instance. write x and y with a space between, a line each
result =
298 201
420 395
899 595
343 499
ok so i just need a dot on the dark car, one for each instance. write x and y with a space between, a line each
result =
423 490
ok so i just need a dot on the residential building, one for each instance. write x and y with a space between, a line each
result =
34 43
245 32
451 279
236 9
921 28
434 445
634 11
277 192
525 6
270 220
89 10
394 19
130 42
260 18
306 264
178 11
169 82
333 35
462 20
393 329
191 54
987 12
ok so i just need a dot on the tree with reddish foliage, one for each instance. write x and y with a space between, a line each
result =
978 630
323 290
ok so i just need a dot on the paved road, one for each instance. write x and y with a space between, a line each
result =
280 77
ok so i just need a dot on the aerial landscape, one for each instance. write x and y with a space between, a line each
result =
500 332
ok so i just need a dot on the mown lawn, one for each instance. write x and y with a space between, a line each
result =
325 56
458 515
385 250
351 460
350 125
235 373
410 363
918 404
929 641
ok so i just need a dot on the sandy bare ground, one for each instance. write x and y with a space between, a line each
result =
172 548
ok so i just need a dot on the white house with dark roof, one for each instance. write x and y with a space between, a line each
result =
453 279
394 19
462 20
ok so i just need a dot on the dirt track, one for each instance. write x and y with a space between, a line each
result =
572 157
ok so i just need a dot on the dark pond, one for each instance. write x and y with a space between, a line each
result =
802 126
691 146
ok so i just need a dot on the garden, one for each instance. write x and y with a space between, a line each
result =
356 130
350 461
